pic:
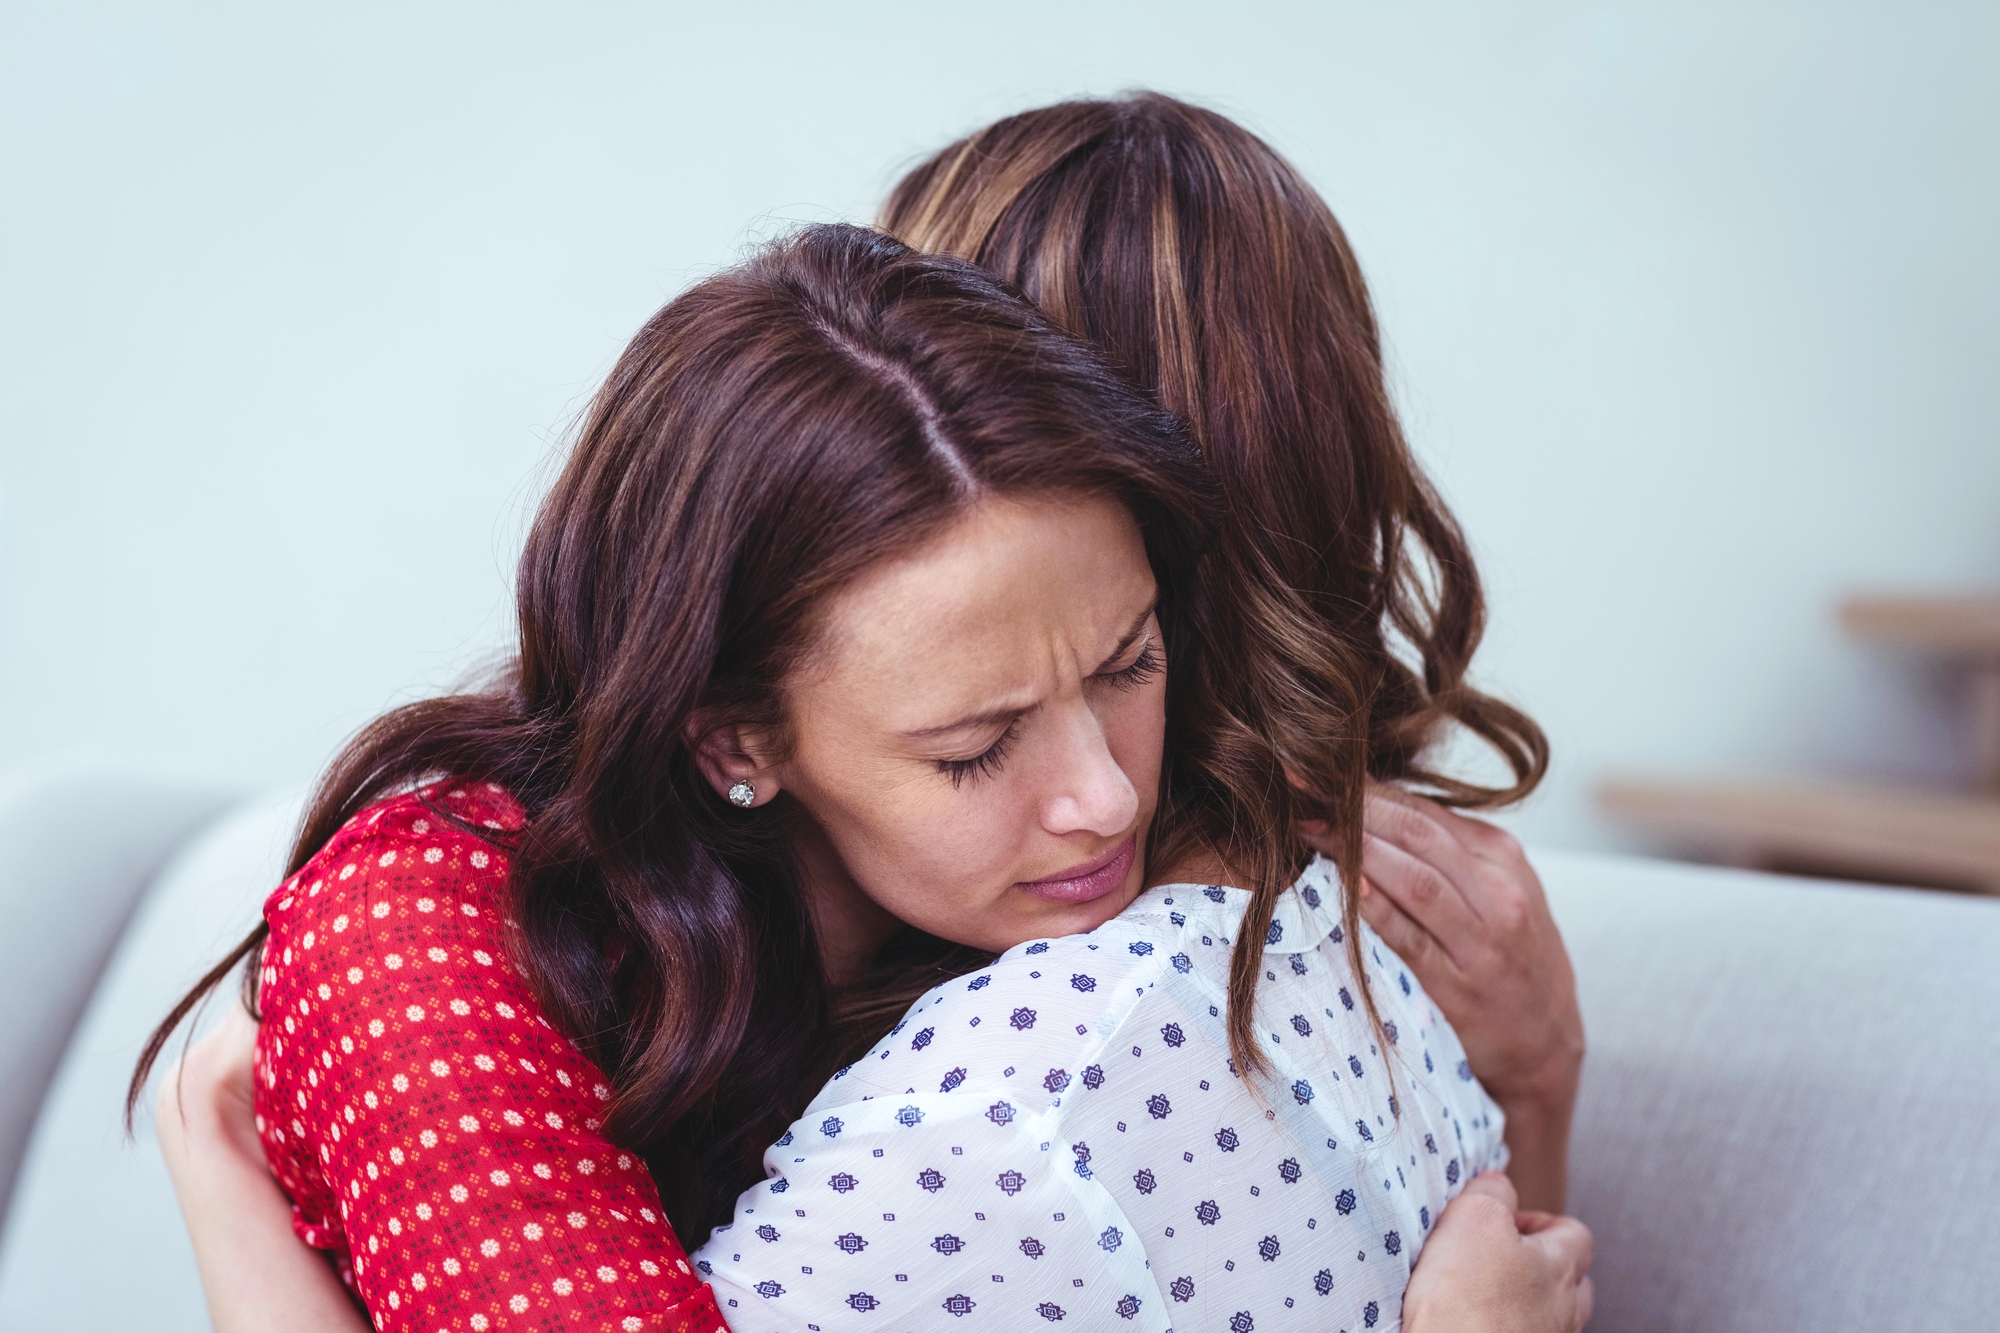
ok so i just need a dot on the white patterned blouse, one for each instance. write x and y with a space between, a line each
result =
1062 1137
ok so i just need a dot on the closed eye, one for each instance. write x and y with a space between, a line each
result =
986 763
1144 667
983 764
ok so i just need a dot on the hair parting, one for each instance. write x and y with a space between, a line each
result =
772 433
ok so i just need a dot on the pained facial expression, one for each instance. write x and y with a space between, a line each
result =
980 734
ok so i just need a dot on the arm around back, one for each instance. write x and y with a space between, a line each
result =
435 1134
254 1272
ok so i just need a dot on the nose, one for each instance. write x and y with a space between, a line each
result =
1092 794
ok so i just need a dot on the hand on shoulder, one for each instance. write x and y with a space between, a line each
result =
1458 901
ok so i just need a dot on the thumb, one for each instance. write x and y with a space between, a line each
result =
231 1053
1495 1185
1568 1246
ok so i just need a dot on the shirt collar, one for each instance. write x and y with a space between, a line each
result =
1306 913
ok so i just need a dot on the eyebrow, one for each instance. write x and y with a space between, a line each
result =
995 716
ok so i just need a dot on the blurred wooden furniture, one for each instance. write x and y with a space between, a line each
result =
1944 840
1957 629
1847 831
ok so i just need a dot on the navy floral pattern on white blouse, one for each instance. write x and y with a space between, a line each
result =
1062 1138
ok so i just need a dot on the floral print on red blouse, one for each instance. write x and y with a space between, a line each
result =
436 1135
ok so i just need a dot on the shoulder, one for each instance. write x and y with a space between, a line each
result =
1030 1024
415 850
408 894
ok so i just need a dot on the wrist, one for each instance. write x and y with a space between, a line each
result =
1537 1126
1547 1089
1537 1136
1550 1099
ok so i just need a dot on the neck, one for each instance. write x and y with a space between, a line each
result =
1199 865
848 925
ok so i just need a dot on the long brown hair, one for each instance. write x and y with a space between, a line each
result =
1341 609
770 434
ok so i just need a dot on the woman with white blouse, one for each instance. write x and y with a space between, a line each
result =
1064 1136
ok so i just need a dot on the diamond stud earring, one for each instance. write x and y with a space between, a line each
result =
743 795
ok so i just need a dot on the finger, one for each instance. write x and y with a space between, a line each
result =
1568 1245
1447 819
238 1037
1422 827
1490 844
1412 943
1500 888
1478 836
1420 830
1421 889
233 1035
1461 825
1496 1186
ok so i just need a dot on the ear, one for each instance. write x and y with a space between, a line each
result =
730 754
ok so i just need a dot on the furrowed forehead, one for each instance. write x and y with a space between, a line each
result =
987 616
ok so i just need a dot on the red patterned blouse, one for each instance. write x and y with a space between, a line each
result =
434 1132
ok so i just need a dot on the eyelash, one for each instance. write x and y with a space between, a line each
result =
980 765
1146 665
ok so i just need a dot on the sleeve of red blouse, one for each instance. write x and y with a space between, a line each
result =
434 1132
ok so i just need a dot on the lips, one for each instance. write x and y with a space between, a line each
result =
1091 880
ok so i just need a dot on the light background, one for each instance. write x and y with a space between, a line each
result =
1692 310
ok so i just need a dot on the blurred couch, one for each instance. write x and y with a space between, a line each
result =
1790 1115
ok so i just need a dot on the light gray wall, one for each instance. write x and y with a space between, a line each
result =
1692 308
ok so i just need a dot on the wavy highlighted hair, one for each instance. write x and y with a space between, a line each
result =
1341 610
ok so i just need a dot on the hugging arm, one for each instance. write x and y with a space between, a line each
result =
1485 1269
431 1130
1456 898
254 1272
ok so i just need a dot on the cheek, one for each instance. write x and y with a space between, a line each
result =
1135 727
926 853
